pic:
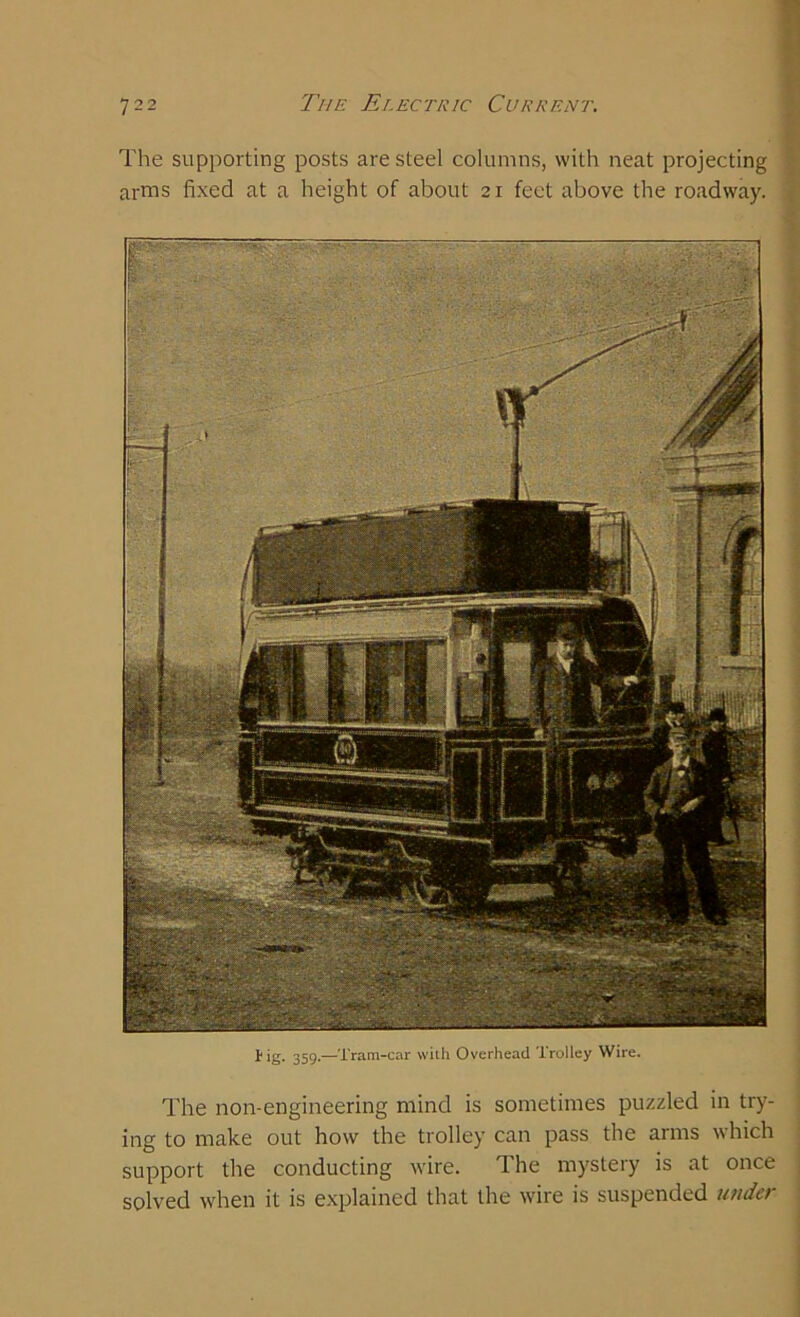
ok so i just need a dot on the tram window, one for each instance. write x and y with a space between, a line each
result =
385 683
425 681
275 684
416 681
311 684
248 698
406 682
347 682
517 679
435 682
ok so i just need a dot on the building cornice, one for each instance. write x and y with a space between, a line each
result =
721 401
714 470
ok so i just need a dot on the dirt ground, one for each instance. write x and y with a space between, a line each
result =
219 937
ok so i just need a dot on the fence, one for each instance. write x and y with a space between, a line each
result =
197 699
743 709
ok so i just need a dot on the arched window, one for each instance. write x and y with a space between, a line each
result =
746 596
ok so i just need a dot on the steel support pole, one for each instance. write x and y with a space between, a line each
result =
158 708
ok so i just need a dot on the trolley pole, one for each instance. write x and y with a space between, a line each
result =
511 400
515 428
158 710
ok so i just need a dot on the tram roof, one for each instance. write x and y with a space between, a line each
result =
538 601
481 546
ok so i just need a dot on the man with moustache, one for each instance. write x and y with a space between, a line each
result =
677 801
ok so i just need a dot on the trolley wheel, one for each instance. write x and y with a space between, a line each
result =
335 879
470 901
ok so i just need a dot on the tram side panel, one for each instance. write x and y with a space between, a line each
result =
344 732
471 777
351 777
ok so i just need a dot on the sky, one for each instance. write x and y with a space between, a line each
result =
309 379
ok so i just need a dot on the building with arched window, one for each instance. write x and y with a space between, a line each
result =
713 467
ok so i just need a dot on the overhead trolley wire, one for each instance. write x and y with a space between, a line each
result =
203 425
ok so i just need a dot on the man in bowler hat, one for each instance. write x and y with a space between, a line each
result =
675 716
562 686
677 801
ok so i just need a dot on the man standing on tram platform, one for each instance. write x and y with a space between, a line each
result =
561 690
561 700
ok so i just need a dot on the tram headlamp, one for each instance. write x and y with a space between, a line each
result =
477 641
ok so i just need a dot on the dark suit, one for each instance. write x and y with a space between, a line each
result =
668 789
718 766
561 700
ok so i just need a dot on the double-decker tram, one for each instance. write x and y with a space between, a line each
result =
394 719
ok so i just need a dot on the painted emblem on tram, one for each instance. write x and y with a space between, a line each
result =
345 751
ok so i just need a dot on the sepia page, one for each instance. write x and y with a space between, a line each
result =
399 832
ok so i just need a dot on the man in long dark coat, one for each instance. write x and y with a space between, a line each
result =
562 686
561 698
718 766
561 701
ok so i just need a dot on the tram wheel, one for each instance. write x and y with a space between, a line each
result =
452 891
300 868
429 895
567 871
471 895
335 880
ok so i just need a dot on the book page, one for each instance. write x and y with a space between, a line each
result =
399 827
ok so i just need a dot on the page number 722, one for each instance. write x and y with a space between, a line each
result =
138 103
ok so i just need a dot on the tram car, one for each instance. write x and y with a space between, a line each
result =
387 701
